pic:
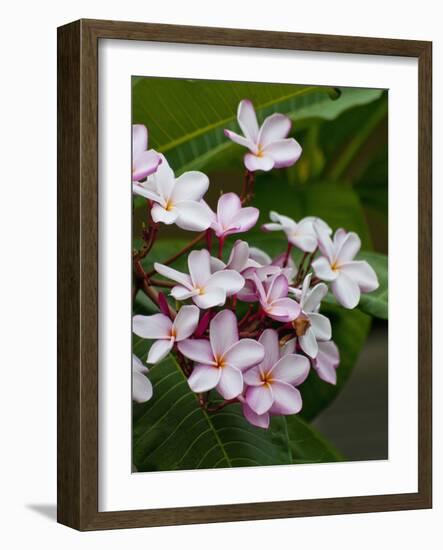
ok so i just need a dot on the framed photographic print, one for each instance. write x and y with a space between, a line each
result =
241 217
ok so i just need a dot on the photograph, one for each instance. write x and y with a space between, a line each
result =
260 274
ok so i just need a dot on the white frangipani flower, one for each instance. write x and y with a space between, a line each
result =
300 234
176 200
311 326
159 327
206 289
348 277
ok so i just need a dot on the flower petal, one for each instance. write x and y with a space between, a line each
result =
244 354
210 298
228 280
141 386
227 207
362 273
254 162
223 332
269 340
324 241
247 120
185 322
284 152
148 193
287 399
244 220
160 214
193 216
239 256
321 326
308 343
259 256
259 398
230 384
322 269
171 273
182 293
139 139
164 179
278 288
284 310
197 350
145 164
190 186
240 140
253 377
346 291
159 350
307 243
258 420
199 267
326 362
292 369
274 128
152 326
349 247
314 297
204 378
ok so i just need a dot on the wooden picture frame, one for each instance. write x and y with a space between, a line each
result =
78 273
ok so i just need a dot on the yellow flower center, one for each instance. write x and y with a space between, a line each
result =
169 205
267 379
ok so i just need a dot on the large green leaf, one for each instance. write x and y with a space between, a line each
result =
307 445
350 329
172 431
186 118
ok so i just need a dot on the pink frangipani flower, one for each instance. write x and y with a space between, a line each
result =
301 234
144 162
327 361
239 259
269 145
159 327
141 385
231 217
348 277
271 384
311 326
272 295
221 361
206 289
177 200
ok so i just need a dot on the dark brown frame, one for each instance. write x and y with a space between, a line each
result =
77 480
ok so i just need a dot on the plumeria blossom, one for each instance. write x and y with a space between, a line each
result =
271 385
176 200
231 217
311 326
273 298
269 147
221 360
141 385
144 162
239 259
301 234
159 327
326 362
337 265
206 289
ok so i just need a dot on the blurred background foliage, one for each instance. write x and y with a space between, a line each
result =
342 177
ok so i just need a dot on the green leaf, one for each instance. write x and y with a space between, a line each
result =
376 303
172 432
307 445
186 118
350 329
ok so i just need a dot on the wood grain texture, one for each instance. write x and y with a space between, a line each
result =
78 268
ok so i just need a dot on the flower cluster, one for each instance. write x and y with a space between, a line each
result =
246 328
